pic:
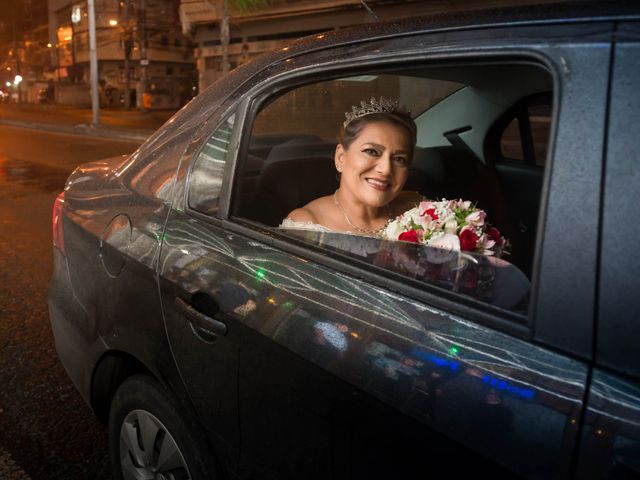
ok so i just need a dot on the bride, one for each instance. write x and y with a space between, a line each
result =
373 156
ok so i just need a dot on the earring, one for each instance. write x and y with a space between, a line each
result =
339 169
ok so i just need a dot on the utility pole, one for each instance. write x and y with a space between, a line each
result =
224 37
127 40
93 64
144 61
16 52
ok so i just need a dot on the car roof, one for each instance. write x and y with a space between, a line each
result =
543 14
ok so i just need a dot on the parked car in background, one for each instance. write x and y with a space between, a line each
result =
216 345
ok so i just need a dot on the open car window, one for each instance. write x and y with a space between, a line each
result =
288 161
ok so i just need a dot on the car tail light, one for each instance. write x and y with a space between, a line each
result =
58 233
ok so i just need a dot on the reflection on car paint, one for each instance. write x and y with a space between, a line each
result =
612 429
412 356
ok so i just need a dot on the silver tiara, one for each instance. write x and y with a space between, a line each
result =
384 105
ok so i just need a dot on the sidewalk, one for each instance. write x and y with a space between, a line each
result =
115 123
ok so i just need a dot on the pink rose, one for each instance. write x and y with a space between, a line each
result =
476 218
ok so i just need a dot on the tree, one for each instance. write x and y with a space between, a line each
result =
242 6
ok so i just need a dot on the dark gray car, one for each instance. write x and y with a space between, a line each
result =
216 344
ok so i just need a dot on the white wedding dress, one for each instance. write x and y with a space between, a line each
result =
287 223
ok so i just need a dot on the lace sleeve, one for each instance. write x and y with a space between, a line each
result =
287 223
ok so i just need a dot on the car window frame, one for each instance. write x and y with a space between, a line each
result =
502 319
489 44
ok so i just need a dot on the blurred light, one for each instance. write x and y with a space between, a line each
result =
49 45
260 274
8 84
272 301
355 335
68 38
76 15
17 80
453 351
113 22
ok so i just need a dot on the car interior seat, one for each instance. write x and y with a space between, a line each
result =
286 185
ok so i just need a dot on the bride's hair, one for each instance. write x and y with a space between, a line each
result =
353 129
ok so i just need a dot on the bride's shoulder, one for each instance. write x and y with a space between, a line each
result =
302 215
311 212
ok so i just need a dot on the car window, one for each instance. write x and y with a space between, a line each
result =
205 181
330 100
151 171
526 137
288 161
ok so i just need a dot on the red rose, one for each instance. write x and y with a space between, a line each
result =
494 234
468 240
431 212
410 236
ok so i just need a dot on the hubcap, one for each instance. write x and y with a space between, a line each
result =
148 451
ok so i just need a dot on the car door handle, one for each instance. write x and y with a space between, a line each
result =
200 321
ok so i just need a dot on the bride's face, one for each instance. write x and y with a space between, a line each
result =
376 164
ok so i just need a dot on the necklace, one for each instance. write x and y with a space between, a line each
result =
375 233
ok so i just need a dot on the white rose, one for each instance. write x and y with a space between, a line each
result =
393 230
446 241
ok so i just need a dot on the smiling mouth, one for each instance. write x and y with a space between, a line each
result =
378 184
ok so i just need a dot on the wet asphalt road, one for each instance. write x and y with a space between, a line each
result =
46 430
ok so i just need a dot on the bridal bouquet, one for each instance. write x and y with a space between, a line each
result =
449 224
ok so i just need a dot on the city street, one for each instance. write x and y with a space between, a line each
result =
46 429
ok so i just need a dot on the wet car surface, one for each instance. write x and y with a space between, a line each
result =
230 347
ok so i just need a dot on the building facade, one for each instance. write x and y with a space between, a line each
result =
143 57
24 53
256 26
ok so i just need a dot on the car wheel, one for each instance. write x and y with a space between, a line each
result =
150 439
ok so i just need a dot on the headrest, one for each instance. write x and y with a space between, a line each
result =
292 184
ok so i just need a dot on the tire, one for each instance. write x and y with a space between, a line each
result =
150 439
